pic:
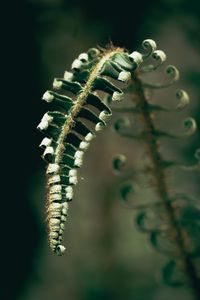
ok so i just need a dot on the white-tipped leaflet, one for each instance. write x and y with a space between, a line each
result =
57 84
45 142
68 76
52 168
48 97
77 64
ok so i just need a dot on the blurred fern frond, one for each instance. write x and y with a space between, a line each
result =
172 220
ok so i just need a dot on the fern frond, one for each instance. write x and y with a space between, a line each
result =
169 232
68 136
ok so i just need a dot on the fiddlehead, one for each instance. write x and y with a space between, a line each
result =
67 130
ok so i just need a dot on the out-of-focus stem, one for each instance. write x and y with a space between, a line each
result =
158 172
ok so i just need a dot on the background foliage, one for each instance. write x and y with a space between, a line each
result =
107 257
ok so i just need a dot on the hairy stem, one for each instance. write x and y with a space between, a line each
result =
177 232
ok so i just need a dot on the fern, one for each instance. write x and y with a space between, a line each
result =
70 130
171 221
68 136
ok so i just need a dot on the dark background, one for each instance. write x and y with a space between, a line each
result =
107 258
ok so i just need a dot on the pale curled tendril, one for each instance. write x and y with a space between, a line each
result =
181 96
149 46
171 72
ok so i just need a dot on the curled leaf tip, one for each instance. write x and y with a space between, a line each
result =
159 55
172 72
150 46
136 57
118 162
183 98
121 123
190 125
126 189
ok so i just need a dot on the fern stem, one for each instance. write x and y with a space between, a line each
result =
177 232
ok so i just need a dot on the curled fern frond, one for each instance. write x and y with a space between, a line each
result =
67 130
164 219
